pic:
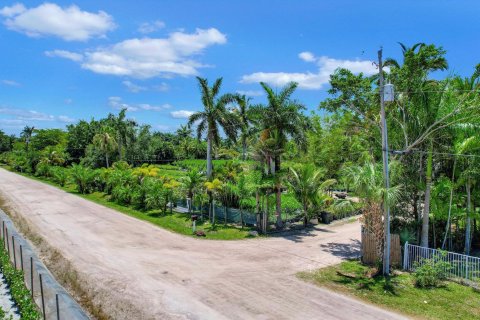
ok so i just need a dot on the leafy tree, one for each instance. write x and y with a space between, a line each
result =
106 143
27 134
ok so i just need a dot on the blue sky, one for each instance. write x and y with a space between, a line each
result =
62 61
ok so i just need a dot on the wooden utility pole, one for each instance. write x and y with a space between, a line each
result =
386 208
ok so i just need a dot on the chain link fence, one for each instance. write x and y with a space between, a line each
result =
51 298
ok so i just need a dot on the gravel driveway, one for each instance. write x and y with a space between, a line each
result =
140 271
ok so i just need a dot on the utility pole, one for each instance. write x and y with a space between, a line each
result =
386 208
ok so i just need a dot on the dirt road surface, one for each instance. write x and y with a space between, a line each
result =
140 271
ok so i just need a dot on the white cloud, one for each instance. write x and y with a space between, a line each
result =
149 27
117 103
132 87
77 57
24 116
251 93
68 101
14 10
65 119
311 80
148 57
306 56
181 114
49 19
11 83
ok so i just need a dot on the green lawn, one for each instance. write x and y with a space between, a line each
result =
450 301
176 222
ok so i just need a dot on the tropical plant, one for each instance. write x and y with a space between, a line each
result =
214 116
83 178
280 119
106 143
308 187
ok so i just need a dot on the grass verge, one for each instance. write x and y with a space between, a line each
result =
20 294
398 293
176 222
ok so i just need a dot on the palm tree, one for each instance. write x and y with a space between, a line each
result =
368 184
213 187
281 118
244 115
191 181
307 186
214 116
27 133
106 143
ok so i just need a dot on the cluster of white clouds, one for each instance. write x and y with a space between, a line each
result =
181 114
136 88
22 117
49 19
117 103
311 80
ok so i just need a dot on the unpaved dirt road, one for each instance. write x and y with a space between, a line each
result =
168 276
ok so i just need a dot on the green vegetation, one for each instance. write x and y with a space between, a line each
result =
20 294
399 293
284 166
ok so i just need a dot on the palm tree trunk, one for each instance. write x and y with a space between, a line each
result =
244 149
468 220
209 156
448 227
426 209
213 213
106 159
278 206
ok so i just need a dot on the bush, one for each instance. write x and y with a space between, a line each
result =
60 175
83 178
430 272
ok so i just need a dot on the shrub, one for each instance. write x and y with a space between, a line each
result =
60 175
43 169
430 272
122 194
83 178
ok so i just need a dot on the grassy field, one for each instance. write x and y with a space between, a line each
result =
176 222
398 293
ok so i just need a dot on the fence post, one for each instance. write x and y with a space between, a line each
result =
58 308
21 257
14 255
8 244
31 275
41 293
405 256
466 267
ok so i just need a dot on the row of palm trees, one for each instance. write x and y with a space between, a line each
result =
273 124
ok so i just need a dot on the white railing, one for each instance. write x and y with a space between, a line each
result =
457 265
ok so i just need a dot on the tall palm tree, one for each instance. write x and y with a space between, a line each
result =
106 143
281 118
214 116
244 115
26 134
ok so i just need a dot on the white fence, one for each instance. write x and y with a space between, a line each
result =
456 266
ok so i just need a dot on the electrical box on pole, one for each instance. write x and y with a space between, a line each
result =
388 93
